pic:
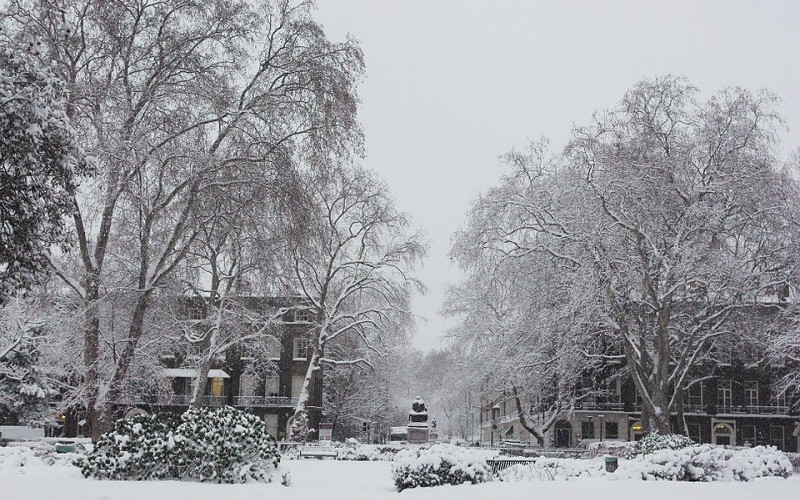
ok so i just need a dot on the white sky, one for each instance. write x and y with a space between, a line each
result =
451 85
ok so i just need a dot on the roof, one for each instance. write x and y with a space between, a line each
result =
192 373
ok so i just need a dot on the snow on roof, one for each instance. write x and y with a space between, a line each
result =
192 373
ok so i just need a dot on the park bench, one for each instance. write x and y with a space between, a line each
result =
498 464
318 451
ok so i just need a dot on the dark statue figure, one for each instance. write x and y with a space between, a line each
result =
419 413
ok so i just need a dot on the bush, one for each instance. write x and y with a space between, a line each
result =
652 442
367 452
136 448
437 465
710 463
223 445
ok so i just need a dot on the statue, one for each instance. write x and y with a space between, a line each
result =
419 413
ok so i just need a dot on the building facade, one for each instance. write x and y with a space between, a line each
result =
271 392
736 406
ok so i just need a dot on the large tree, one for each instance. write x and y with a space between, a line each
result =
167 95
665 222
39 165
355 272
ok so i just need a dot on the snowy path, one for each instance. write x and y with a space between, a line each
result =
333 480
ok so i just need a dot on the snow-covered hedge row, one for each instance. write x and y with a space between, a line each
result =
709 463
552 469
437 465
366 452
224 445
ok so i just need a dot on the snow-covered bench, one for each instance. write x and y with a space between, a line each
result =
318 451
498 464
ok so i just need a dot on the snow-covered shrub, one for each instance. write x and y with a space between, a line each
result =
224 445
652 442
794 458
552 469
437 465
365 452
136 448
709 463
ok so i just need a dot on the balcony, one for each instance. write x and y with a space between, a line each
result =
170 400
753 409
596 405
265 401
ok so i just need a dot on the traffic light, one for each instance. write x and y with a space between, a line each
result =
366 426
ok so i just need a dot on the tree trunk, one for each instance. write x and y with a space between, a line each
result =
534 431
91 356
124 360
201 380
656 416
299 431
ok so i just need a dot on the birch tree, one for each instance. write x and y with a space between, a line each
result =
166 95
355 270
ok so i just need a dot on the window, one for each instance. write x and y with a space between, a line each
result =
587 430
723 354
272 385
615 391
612 430
217 386
247 385
779 398
694 432
776 436
693 397
751 393
300 348
724 394
297 385
302 316
194 310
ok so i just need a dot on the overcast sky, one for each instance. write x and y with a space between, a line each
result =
451 85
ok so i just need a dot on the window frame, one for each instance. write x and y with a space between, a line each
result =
298 344
750 393
724 395
587 429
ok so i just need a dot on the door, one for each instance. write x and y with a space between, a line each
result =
563 435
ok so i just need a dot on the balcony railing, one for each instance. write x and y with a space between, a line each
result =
597 405
265 401
171 400
753 409
733 409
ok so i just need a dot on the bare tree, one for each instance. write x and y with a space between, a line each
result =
355 271
663 223
166 96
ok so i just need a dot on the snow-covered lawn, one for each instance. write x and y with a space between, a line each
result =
329 479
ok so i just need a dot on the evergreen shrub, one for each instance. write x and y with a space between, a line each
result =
223 445
652 442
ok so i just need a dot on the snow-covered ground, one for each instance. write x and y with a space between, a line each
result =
25 477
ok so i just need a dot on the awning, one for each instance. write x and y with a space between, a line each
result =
192 373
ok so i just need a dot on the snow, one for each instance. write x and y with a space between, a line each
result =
25 476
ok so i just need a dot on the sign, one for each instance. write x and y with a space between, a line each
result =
325 432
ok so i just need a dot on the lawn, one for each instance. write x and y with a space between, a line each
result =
28 478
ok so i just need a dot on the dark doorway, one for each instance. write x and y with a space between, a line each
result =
563 432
